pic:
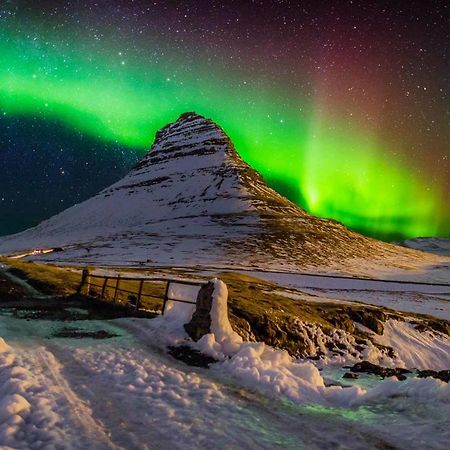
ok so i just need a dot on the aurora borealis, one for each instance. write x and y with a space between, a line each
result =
342 106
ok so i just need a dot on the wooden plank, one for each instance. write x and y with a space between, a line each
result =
156 279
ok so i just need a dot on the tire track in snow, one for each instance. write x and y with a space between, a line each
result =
103 404
42 363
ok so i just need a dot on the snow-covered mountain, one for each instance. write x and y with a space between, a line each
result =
193 201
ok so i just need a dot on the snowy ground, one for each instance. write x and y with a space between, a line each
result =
433 299
126 392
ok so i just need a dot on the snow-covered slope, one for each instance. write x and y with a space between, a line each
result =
437 245
193 201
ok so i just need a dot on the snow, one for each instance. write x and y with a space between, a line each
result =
13 406
185 292
274 373
126 392
330 282
253 364
179 312
257 364
437 245
35 413
414 349
319 288
255 396
186 409
161 191
171 407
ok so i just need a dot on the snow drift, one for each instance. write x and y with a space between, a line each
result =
274 372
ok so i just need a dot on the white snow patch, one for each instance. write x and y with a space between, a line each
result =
406 297
437 245
14 407
415 349
37 408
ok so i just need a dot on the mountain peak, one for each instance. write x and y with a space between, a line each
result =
189 124
190 115
191 135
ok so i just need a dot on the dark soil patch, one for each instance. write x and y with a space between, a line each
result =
80 334
350 375
10 292
65 309
56 314
191 356
383 372
432 324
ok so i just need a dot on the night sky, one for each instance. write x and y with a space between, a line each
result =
343 106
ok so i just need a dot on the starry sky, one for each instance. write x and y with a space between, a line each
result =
343 106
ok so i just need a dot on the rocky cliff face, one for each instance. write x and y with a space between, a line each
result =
193 201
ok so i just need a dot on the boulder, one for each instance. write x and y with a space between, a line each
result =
200 323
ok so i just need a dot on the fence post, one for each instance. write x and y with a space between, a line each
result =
84 275
166 297
89 284
138 301
104 287
117 288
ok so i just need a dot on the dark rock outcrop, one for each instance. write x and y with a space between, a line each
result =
200 323
443 375
384 372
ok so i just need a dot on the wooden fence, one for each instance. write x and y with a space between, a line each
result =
146 293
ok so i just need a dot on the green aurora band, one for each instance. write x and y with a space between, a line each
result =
316 161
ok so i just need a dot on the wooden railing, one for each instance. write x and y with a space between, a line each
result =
148 293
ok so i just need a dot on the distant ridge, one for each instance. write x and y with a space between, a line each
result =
436 245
